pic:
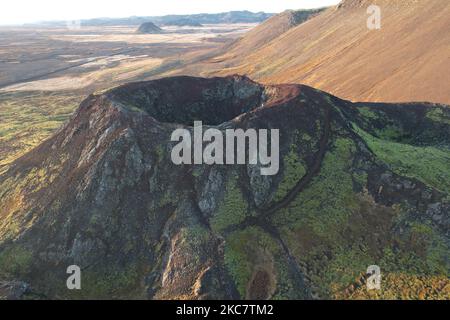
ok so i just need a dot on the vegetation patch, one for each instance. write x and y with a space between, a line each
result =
15 260
28 118
233 209
368 113
107 284
245 251
294 170
430 165
438 115
400 286
329 199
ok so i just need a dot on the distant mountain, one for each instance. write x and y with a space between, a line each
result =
359 184
226 17
406 60
149 28
203 18
183 22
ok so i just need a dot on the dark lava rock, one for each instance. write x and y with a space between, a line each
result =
13 290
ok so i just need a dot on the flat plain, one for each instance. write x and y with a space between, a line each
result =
46 72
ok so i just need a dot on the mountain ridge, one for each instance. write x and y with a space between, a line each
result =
202 18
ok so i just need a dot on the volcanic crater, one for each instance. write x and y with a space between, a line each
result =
103 194
212 101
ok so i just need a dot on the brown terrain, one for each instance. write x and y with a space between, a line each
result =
267 31
407 60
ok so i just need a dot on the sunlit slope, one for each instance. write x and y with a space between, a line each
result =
267 31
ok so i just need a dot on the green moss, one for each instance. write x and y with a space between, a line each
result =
368 113
421 251
106 284
15 261
233 209
242 251
329 199
315 223
337 235
294 170
238 261
381 125
421 228
427 241
305 137
427 164
402 261
361 179
390 132
438 115
344 269
438 257
28 118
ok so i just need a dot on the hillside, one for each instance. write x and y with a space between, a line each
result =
359 184
149 28
406 60
267 31
183 22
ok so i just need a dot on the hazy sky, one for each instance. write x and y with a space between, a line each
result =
22 11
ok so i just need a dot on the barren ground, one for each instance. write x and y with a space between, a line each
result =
45 73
